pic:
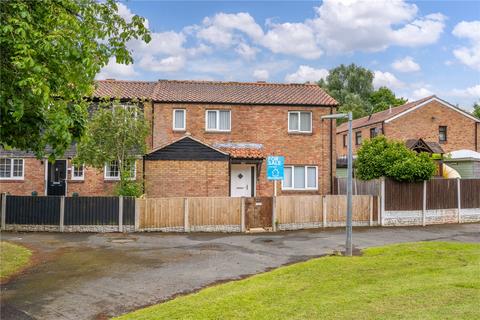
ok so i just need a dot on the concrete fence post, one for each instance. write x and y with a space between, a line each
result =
424 204
459 200
242 215
382 200
137 214
274 214
378 211
186 225
4 211
120 214
324 211
371 211
62 213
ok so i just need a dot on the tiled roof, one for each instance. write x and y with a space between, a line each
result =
242 150
217 92
122 89
15 153
382 115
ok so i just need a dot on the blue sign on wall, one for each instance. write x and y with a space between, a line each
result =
275 167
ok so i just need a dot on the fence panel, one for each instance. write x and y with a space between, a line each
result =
299 209
91 211
442 194
401 196
160 213
128 210
470 193
30 210
210 211
336 206
360 187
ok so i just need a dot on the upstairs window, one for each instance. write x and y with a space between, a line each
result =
358 138
77 172
11 168
373 133
300 121
179 119
300 178
442 133
112 170
218 120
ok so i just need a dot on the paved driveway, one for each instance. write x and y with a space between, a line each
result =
88 276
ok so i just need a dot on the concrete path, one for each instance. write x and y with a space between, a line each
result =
95 276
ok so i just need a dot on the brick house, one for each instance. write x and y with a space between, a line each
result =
431 119
207 139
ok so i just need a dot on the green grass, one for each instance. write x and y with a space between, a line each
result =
424 280
13 258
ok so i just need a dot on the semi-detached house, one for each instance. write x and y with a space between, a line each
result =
207 139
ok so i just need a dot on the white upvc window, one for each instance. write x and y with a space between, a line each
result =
218 120
300 178
179 119
78 172
11 169
300 121
112 170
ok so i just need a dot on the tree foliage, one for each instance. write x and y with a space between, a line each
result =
51 51
383 98
352 87
380 157
115 133
476 109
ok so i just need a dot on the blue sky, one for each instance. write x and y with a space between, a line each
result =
415 48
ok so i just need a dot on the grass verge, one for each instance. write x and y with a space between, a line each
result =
423 280
13 258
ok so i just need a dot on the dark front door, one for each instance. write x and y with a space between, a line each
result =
56 179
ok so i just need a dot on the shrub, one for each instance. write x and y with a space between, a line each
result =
380 157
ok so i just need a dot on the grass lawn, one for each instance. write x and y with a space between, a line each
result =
424 280
12 258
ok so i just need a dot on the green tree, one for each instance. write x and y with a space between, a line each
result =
380 157
51 51
383 98
116 133
476 109
351 86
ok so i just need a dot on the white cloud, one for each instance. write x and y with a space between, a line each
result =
469 56
246 51
114 70
261 74
420 93
168 64
470 92
306 74
124 12
386 79
292 38
350 25
406 64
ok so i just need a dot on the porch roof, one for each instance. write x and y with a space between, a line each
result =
242 150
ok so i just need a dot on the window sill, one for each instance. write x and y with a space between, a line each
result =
442 142
217 131
295 133
299 190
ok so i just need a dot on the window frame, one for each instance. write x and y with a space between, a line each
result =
358 134
299 122
184 111
217 124
110 178
12 177
445 134
373 130
73 177
306 188
345 140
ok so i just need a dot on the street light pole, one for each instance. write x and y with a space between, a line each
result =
348 242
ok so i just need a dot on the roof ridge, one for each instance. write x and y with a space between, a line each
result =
220 82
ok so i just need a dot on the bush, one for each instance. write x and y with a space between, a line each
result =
127 187
381 157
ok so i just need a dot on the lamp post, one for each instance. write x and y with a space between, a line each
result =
348 243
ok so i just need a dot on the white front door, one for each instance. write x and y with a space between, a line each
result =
242 180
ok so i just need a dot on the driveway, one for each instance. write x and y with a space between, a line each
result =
95 276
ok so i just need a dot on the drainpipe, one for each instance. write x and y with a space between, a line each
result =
331 153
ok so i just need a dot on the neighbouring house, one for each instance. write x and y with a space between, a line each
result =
207 139
431 119
465 162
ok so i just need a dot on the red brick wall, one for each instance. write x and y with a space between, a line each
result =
423 123
267 125
168 178
93 184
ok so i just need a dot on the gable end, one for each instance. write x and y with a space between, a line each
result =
187 149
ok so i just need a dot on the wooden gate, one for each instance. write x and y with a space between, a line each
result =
258 212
